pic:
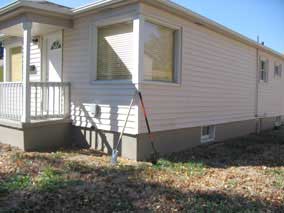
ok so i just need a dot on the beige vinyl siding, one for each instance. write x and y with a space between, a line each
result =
271 97
113 98
218 81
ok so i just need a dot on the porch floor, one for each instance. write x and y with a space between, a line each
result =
36 136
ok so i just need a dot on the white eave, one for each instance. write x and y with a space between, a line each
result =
182 11
163 4
95 5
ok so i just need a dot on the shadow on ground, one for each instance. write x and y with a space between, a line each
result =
266 149
83 181
122 190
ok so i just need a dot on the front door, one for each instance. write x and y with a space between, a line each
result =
53 70
16 57
53 57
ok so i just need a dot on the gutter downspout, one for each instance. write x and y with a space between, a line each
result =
258 123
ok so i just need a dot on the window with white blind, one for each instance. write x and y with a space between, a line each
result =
115 51
160 52
264 68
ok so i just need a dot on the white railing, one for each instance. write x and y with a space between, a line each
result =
49 100
11 101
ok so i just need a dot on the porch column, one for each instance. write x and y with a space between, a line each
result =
138 31
27 27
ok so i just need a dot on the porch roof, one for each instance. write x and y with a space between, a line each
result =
45 15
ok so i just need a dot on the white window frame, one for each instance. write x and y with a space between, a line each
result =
93 45
178 52
280 67
266 70
211 136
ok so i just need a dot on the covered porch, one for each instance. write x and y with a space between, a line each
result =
33 89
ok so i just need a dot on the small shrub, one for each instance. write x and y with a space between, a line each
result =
48 179
57 155
232 183
17 182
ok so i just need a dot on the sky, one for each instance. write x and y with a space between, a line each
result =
248 17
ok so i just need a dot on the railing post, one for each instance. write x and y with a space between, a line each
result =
27 28
67 105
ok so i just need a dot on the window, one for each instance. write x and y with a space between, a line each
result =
56 45
114 53
160 58
277 71
264 70
278 121
207 134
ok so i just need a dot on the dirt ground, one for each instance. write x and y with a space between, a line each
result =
240 175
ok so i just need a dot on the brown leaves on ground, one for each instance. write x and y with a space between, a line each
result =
241 175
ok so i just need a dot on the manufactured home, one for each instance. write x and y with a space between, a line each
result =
70 75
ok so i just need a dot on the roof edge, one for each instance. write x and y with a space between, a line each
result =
94 5
213 24
17 4
10 6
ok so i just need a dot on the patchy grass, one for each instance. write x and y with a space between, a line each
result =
240 175
188 168
278 175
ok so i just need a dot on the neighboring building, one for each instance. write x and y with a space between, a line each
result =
201 81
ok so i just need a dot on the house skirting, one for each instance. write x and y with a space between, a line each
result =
138 147
267 123
47 136
105 141
50 136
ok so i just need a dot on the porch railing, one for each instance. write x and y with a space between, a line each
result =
49 100
11 100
